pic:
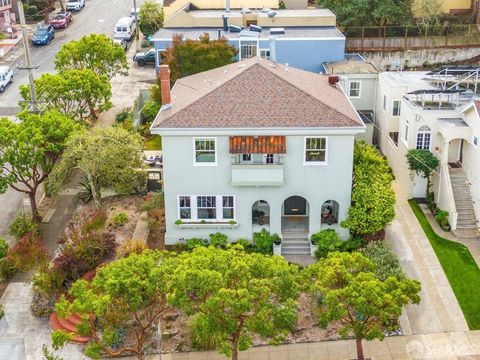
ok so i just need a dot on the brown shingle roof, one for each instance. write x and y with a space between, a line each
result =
257 93
257 145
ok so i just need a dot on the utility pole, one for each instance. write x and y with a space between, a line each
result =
28 65
137 30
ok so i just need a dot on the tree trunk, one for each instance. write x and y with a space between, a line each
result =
235 350
360 355
95 192
33 205
61 5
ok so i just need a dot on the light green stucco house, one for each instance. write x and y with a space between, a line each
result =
255 145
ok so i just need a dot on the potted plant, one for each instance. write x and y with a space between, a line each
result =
277 244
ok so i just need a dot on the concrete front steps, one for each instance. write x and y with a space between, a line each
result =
463 200
295 243
70 326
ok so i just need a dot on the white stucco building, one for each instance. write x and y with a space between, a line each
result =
256 145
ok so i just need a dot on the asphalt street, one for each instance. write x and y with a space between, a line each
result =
98 16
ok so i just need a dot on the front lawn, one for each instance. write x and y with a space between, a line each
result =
460 268
154 143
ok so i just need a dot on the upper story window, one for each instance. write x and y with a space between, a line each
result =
354 89
396 108
384 103
315 150
205 151
424 136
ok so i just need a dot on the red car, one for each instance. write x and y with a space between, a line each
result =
61 20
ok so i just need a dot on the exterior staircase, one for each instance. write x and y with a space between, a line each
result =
70 326
295 243
463 200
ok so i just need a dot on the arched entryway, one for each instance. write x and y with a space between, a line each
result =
329 213
295 214
260 215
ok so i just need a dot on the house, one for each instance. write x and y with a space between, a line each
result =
358 78
255 145
422 7
302 38
434 111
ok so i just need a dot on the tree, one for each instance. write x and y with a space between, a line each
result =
349 293
125 294
373 198
369 12
29 150
109 157
79 94
95 52
150 18
188 57
423 162
233 295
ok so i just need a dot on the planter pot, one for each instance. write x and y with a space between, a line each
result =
313 249
277 249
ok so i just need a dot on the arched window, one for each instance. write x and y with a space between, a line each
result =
424 137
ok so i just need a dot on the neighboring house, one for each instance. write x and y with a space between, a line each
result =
7 17
358 78
302 38
256 145
417 110
172 6
421 7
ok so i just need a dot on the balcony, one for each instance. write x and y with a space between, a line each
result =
257 175
5 5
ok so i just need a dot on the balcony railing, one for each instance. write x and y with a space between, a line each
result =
256 159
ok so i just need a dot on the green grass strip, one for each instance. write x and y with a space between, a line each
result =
154 143
459 266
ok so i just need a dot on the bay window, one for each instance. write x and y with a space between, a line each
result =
213 208
206 207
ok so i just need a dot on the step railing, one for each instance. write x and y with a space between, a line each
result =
446 200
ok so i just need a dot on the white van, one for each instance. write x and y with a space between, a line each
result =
134 11
125 29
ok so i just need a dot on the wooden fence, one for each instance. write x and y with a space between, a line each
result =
394 38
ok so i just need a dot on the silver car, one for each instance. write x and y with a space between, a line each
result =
6 77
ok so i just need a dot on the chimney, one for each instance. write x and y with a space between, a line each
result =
273 52
164 76
227 6
333 80
225 22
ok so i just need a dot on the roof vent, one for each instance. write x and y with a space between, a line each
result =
271 14
277 31
255 28
235 29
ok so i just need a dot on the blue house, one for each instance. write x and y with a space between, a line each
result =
304 39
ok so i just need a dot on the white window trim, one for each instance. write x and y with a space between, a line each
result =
423 139
400 108
195 163
314 163
359 89
218 208
264 50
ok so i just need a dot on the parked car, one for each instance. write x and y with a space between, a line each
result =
61 20
134 11
122 42
75 5
43 35
142 58
6 77
125 29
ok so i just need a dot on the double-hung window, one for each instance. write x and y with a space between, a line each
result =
207 207
354 89
185 207
205 151
396 108
228 207
315 150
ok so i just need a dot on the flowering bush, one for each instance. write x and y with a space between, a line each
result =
27 253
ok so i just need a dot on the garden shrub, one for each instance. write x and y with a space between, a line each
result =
180 247
442 219
247 245
120 219
353 243
327 241
263 242
22 225
195 242
27 253
3 248
48 280
218 240
95 221
150 110
387 263
130 246
124 115
7 270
